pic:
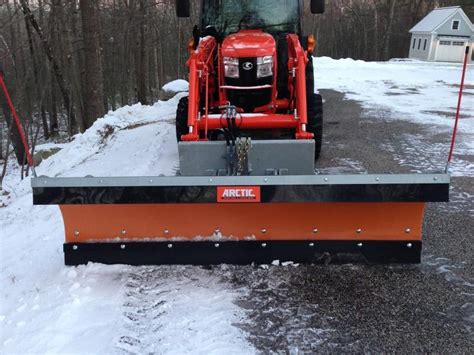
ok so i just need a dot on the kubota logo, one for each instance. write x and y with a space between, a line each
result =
247 66
238 194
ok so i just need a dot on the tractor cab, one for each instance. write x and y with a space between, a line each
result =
272 16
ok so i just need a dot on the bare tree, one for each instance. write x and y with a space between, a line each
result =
14 133
388 31
93 87
141 54
56 69
38 86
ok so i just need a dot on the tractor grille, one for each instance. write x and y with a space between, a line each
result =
248 77
249 99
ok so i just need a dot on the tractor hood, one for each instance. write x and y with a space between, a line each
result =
248 44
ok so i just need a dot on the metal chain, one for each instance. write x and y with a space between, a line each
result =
243 146
237 154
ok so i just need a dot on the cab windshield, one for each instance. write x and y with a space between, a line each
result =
229 16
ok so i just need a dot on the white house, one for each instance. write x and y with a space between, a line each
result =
443 36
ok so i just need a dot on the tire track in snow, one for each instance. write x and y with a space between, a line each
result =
143 305
178 309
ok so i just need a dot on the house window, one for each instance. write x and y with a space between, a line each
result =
424 45
414 43
445 43
419 44
458 43
455 25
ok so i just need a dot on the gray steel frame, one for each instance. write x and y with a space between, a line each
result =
44 181
266 157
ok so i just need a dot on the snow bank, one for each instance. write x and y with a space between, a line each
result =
176 86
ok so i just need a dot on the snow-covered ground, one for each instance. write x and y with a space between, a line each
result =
420 92
46 307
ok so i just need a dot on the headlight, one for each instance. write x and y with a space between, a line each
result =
231 67
264 66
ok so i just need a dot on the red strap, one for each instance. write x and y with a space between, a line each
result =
458 111
17 121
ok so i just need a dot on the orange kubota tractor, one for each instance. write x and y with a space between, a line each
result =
251 80
248 136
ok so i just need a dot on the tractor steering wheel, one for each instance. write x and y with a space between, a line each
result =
251 21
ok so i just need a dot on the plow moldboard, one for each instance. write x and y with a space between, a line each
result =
282 221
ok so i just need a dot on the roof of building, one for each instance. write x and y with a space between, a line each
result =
435 18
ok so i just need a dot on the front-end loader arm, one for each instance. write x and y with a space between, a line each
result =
201 73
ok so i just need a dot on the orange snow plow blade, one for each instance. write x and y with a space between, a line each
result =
240 220
316 221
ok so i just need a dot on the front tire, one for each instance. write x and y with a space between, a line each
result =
182 118
314 104
315 122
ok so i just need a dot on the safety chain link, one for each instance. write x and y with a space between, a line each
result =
243 147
